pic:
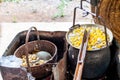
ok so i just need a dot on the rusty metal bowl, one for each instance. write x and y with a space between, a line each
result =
45 69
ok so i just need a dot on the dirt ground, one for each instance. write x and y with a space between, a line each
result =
38 11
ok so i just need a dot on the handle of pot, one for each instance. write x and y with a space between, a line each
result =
28 33
26 41
96 16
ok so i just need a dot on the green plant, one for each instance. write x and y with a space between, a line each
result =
14 19
60 8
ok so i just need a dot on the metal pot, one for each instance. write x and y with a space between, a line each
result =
96 61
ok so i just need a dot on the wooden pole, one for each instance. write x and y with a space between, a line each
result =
81 57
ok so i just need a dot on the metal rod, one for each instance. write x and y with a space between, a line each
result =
102 20
94 2
74 15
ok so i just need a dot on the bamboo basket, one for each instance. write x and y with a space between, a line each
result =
109 10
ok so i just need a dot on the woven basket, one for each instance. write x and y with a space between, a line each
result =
109 10
39 71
